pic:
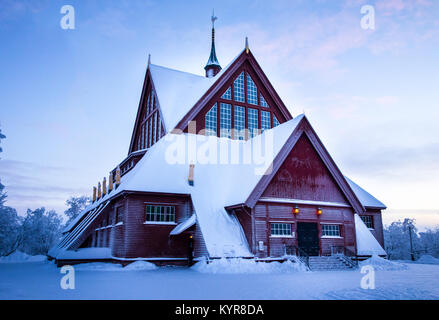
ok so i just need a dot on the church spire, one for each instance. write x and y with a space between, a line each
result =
212 67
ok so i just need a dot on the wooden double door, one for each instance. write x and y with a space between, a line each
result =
308 238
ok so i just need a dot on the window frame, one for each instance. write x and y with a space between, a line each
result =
323 235
117 215
369 216
165 214
290 224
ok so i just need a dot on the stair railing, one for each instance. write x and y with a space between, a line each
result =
302 255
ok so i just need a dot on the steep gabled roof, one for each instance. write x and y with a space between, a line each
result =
367 200
306 128
223 77
181 95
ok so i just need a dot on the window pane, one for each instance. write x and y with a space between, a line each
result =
265 121
239 123
252 92
228 94
225 120
263 102
275 121
239 88
150 132
155 128
281 229
330 230
252 122
368 221
211 121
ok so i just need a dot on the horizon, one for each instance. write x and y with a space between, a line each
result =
70 97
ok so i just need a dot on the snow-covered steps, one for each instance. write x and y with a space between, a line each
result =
329 263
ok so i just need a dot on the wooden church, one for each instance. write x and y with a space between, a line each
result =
192 188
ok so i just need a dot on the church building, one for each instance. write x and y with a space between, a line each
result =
218 167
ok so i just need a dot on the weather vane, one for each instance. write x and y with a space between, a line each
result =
213 18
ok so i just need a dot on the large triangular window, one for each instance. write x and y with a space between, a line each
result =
239 88
228 94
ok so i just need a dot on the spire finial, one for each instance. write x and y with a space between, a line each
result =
212 67
149 59
246 45
213 18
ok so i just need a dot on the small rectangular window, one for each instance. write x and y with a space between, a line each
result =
119 214
156 213
331 230
368 221
281 229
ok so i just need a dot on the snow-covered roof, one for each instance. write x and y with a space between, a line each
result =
165 169
366 199
184 225
222 232
367 244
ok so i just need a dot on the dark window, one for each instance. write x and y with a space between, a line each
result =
368 221
156 213
331 230
119 214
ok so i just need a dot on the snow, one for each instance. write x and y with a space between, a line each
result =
379 263
102 266
85 253
366 199
249 266
18 257
427 259
367 244
173 153
184 225
141 266
41 280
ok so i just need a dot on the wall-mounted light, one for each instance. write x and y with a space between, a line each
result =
296 210
319 211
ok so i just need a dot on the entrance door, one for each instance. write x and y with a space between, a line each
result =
308 237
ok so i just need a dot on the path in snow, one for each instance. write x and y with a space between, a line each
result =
41 280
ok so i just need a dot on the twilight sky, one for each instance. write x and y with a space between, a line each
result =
68 98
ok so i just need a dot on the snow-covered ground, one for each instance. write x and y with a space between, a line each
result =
41 280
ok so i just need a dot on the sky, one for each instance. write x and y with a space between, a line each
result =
68 98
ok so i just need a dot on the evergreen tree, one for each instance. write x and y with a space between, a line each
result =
41 229
75 206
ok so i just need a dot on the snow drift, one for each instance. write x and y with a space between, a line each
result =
379 263
20 257
427 259
107 266
234 266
